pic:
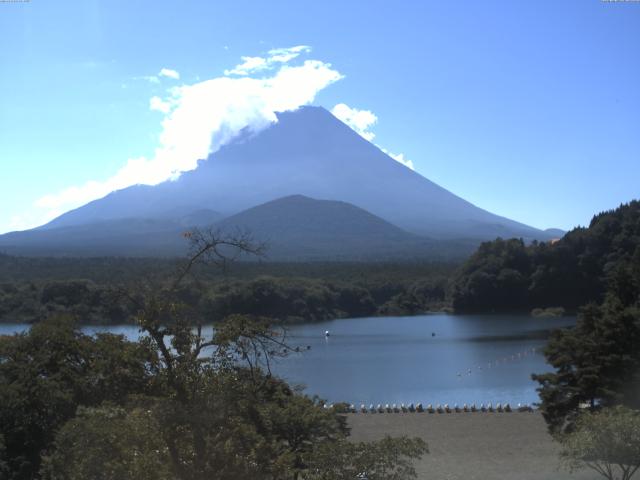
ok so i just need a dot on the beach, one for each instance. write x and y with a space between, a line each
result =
474 446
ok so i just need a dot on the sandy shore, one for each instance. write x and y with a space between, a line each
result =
474 446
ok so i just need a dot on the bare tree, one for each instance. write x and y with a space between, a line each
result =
219 248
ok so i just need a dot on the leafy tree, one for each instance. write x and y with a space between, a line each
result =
108 443
607 441
4 467
495 278
597 363
50 370
387 459
214 409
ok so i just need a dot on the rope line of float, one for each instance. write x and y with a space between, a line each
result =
439 408
501 361
492 364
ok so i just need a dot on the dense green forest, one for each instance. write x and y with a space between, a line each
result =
508 275
129 270
98 290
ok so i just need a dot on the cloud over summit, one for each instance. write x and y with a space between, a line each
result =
273 58
358 120
361 121
201 117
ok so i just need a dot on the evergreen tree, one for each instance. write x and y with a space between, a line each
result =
598 362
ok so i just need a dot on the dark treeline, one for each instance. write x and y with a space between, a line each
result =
95 290
127 269
507 275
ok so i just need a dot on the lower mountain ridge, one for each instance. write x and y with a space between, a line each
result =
293 228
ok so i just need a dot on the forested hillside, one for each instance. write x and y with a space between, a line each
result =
99 291
508 275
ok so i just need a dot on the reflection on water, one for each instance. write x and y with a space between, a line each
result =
430 359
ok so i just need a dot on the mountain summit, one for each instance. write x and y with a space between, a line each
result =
306 152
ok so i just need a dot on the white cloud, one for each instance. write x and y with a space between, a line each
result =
148 78
248 65
358 120
200 118
361 121
160 105
399 157
169 73
164 72
274 57
284 55
29 219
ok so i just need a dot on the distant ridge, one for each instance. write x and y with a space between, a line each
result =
298 227
293 228
555 232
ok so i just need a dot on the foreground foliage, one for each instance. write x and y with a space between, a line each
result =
47 373
181 403
607 441
388 459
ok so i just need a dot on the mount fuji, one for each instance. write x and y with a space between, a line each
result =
308 154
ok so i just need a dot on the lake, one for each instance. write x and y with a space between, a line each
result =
434 358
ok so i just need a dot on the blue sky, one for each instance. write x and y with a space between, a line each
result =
528 109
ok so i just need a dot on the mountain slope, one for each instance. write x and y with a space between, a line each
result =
121 237
298 227
292 228
312 153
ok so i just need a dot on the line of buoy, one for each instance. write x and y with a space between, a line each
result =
497 362
439 408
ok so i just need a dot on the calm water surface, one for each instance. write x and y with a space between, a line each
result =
471 358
